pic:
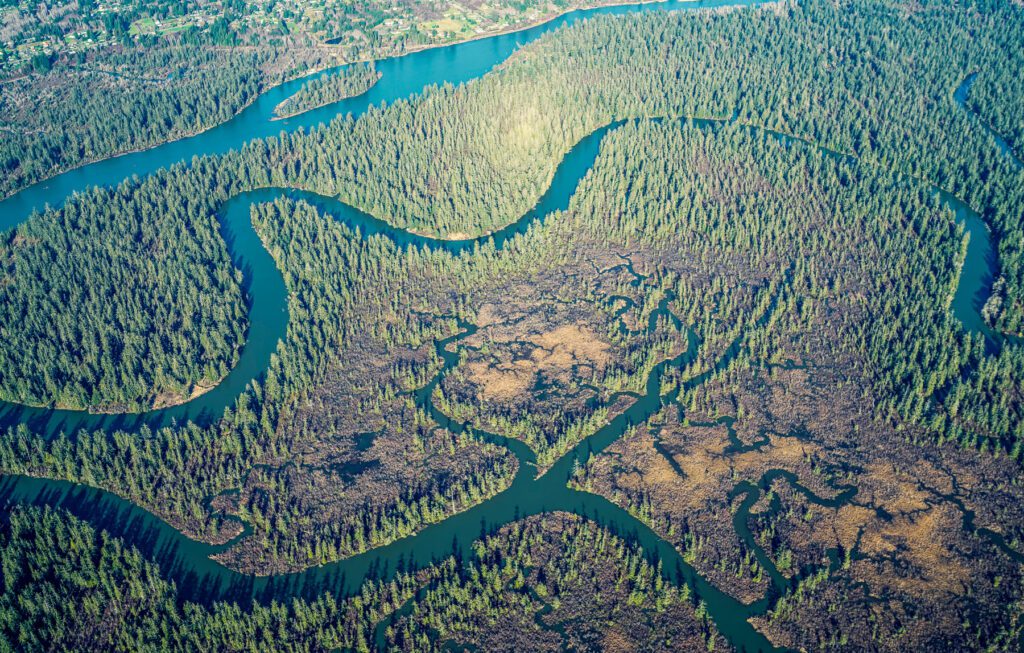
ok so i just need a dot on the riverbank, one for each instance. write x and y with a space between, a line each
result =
312 73
661 393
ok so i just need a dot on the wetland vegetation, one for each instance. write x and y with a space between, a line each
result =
677 330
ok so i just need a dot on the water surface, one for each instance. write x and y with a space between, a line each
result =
188 562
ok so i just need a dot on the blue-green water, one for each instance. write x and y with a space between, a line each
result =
981 263
202 579
268 298
188 562
401 77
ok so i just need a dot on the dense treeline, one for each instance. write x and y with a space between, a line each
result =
348 82
468 160
989 402
998 92
756 241
552 584
871 283
344 290
129 100
797 71
67 586
473 158
224 55
459 162
91 321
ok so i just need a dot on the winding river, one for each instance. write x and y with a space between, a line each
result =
188 562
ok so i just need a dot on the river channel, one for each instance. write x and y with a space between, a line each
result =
188 562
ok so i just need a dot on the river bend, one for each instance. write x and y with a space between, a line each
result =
188 562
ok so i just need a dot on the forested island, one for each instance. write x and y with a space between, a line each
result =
674 331
83 82
318 92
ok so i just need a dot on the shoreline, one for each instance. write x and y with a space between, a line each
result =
198 390
151 146
314 71
292 114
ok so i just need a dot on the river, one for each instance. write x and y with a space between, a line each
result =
188 562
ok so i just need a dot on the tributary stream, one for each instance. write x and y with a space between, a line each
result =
188 562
